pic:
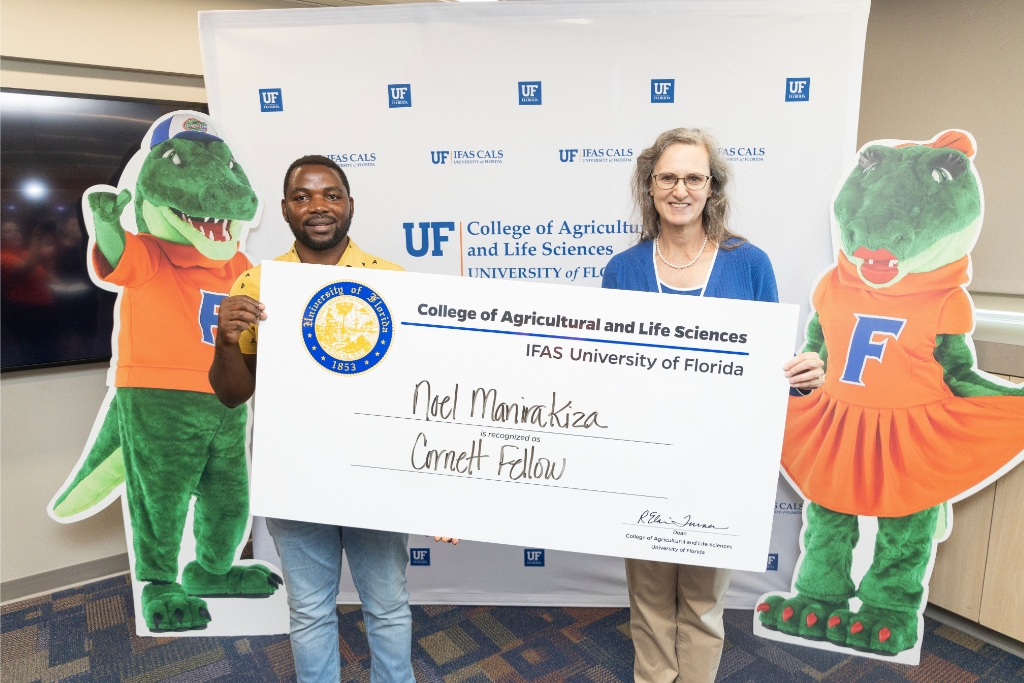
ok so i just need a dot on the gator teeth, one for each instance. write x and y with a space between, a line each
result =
891 264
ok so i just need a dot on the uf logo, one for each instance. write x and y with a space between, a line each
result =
533 557
663 90
529 92
439 157
270 99
773 562
863 346
426 229
798 89
209 307
567 155
419 557
399 95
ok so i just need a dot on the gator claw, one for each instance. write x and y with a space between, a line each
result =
867 634
167 607
833 621
800 615
240 581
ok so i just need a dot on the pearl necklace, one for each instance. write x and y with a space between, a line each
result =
672 265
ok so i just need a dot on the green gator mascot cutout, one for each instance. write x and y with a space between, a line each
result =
905 423
162 436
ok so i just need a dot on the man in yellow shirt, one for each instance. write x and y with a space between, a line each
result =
318 208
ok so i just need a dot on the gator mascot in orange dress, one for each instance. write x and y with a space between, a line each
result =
905 422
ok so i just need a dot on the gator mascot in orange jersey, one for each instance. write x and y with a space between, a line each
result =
905 422
164 434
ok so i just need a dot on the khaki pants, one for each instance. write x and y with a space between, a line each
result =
675 616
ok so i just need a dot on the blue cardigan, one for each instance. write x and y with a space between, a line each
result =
740 273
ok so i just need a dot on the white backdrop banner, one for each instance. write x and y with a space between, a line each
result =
496 141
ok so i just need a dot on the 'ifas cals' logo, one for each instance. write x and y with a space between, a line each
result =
354 159
467 156
533 557
347 328
419 557
529 92
596 154
863 344
426 231
270 99
798 89
399 95
209 307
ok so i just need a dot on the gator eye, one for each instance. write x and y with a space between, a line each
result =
941 175
870 167
231 164
175 159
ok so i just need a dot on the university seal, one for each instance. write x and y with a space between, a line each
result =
347 328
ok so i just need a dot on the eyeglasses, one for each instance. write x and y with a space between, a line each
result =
694 181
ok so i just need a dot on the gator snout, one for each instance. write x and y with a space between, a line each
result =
231 200
895 236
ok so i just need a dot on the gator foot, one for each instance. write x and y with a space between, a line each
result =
167 607
878 631
797 616
241 581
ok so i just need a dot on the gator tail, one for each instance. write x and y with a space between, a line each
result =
101 473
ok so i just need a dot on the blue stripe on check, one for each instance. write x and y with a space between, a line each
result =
581 339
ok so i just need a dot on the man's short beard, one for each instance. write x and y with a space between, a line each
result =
340 232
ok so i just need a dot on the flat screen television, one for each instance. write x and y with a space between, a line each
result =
52 148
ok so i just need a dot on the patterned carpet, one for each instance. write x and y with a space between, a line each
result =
87 634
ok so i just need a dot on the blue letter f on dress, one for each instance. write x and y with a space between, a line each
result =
863 347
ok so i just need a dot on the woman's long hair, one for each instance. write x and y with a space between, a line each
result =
715 216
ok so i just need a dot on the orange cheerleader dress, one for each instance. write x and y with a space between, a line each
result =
886 437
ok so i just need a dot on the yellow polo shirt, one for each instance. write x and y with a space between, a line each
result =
248 283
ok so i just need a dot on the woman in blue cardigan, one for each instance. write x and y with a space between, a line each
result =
680 188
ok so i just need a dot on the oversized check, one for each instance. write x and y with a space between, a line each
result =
597 421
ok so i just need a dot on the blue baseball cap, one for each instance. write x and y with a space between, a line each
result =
185 126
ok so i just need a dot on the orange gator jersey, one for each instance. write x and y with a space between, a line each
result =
885 436
168 312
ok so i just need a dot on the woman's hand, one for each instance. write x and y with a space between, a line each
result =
446 539
805 370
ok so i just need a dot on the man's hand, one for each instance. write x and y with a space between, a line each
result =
233 374
236 314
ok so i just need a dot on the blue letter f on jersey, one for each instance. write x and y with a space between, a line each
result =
208 310
863 346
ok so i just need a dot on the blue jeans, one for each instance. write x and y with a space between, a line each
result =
311 562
